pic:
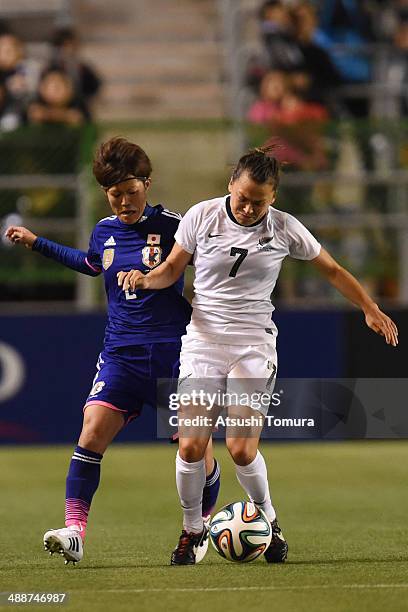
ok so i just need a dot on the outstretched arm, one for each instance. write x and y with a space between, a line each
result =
163 276
349 286
71 258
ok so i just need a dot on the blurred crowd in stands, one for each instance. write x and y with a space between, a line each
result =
319 70
327 59
60 91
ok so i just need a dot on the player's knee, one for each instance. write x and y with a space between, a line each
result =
99 428
191 450
93 436
92 439
241 451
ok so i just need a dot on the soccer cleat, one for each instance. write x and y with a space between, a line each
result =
202 549
67 542
277 550
191 548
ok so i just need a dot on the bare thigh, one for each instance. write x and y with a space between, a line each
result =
100 426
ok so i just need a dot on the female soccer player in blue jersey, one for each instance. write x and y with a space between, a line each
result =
239 242
142 338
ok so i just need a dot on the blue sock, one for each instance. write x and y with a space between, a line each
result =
82 482
211 490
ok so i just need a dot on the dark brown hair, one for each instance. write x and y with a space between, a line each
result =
269 4
261 165
117 160
62 36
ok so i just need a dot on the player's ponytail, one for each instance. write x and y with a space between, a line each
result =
261 165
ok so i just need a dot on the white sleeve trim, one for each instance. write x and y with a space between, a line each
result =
170 213
107 218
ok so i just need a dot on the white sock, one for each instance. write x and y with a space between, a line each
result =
190 479
254 480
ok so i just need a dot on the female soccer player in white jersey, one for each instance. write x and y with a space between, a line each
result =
239 242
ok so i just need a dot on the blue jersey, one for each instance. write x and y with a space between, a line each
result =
143 317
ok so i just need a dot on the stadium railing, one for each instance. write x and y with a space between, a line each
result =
43 185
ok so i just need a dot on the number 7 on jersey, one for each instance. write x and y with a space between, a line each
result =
242 254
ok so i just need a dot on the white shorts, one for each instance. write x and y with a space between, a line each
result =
234 375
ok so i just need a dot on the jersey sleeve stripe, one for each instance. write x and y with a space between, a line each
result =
170 213
107 218
91 266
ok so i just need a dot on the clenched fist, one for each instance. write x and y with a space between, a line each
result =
134 279
21 235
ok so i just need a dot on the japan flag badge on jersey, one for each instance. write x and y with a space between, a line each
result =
151 256
153 239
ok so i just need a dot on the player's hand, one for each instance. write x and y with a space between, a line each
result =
379 322
21 235
134 279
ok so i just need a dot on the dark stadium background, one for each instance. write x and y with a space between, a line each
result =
190 81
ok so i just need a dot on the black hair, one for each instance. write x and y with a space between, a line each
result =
261 165
63 35
5 28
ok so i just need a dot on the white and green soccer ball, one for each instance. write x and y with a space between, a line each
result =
240 532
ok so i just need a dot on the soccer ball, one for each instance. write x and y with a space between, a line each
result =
240 532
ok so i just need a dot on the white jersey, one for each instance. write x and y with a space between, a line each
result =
236 269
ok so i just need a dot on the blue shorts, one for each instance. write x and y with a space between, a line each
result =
126 378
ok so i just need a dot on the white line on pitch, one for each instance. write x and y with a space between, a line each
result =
261 588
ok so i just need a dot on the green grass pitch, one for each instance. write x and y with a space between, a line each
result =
342 506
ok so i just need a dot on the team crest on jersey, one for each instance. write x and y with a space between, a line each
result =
264 244
108 257
151 256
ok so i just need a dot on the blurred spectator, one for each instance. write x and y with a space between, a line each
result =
278 36
288 35
279 101
19 74
295 122
345 27
56 101
280 49
401 9
316 63
397 73
66 57
10 116
346 23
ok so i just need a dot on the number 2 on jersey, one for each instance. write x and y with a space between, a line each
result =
130 295
242 254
